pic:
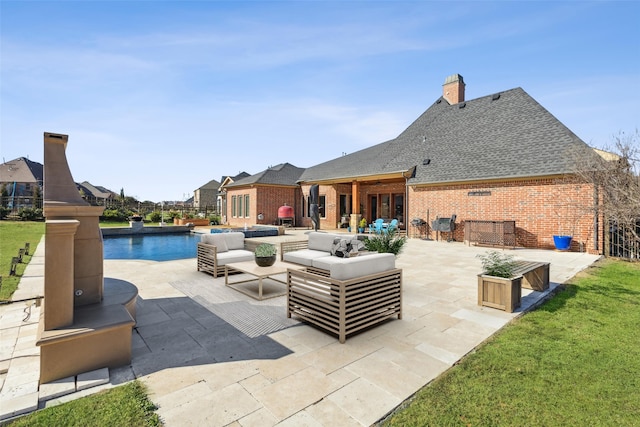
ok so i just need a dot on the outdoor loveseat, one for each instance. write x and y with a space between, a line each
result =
341 295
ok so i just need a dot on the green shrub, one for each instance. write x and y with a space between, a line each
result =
497 264
116 215
30 214
215 219
387 242
4 212
155 216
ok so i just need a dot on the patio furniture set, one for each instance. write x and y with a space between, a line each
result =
342 293
339 294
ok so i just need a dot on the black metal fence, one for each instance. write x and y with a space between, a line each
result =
13 205
622 242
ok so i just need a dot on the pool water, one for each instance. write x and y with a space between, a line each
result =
153 247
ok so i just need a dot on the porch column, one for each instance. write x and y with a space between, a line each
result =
355 205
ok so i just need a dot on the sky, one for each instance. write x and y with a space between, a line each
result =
160 97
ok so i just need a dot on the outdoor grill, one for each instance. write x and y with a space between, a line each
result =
444 225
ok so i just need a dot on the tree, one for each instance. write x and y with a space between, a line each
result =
615 174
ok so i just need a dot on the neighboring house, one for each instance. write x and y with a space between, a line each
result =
256 199
222 193
21 183
207 195
96 195
495 158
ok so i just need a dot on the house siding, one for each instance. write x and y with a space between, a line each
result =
264 200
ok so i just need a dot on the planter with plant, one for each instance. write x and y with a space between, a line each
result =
497 288
362 225
265 254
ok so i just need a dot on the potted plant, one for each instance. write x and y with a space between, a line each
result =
497 287
362 225
265 254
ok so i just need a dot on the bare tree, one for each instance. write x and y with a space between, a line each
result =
615 173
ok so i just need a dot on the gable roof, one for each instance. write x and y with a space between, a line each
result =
283 174
502 136
211 185
22 170
96 191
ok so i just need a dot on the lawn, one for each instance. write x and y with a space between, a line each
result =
573 361
13 236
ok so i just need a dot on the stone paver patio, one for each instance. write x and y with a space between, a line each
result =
212 356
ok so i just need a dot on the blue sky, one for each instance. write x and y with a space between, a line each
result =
160 97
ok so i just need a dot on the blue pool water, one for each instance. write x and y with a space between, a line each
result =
154 247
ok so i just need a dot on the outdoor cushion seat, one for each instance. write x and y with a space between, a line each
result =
349 268
304 256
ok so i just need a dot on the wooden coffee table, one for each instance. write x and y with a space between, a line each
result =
259 273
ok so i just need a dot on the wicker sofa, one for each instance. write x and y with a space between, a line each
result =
217 250
341 295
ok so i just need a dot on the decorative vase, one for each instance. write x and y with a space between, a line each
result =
265 261
562 243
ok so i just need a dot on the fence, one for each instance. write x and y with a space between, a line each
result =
622 242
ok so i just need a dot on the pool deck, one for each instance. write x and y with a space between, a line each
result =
210 355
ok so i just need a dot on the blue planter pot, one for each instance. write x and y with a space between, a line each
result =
563 243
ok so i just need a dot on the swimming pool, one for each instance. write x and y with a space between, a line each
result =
153 247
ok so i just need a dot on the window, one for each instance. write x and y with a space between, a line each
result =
239 206
233 206
246 206
321 202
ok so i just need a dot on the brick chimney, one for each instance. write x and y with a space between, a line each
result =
453 89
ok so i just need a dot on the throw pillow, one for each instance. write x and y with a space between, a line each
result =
341 248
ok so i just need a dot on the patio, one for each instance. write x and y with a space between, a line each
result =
213 356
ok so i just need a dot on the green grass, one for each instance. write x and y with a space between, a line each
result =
13 236
573 361
125 405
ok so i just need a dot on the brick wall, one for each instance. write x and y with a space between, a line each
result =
265 200
541 208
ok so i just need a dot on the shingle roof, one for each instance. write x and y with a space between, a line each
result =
211 185
21 170
506 135
282 174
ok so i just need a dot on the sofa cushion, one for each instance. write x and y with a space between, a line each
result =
236 255
350 268
321 241
304 256
235 240
216 240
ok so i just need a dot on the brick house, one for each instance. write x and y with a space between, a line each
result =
501 157
256 199
206 195
21 183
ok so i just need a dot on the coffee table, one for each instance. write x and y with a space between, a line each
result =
259 273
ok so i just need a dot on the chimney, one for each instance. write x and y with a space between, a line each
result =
453 89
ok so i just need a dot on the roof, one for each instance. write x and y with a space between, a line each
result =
282 174
506 135
95 191
22 170
211 185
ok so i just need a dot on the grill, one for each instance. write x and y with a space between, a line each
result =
444 225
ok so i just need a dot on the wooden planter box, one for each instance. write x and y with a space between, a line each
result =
497 292
194 221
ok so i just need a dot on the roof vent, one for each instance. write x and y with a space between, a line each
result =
439 101
462 105
495 96
425 162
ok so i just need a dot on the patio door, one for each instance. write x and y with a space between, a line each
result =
373 204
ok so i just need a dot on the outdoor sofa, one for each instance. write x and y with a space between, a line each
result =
337 294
